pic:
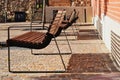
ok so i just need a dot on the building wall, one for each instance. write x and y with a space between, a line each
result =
107 20
104 11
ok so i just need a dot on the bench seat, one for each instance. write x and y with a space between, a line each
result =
36 40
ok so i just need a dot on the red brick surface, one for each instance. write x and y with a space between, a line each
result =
91 63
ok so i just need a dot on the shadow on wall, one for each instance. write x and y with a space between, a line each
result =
99 27
98 23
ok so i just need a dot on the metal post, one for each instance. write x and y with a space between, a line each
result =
85 16
68 41
60 54
5 11
43 14
9 51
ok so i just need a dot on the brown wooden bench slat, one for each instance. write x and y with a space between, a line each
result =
39 38
56 27
20 36
34 36
23 36
72 18
26 36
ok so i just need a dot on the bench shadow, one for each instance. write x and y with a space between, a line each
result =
97 62
88 34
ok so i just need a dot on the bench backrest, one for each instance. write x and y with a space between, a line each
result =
72 16
54 28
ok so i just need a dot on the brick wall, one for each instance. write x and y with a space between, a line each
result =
106 19
109 8
59 2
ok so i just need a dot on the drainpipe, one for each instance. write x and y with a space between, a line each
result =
85 16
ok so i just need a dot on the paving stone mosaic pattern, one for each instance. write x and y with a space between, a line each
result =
91 63
89 59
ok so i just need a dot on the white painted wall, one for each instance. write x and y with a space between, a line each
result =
107 25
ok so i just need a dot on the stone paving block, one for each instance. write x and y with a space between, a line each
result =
88 63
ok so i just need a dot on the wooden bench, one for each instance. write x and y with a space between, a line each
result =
36 40
71 19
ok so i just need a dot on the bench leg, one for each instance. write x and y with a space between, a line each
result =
42 71
68 41
60 54
64 53
73 32
9 59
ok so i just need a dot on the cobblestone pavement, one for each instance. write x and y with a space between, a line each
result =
22 59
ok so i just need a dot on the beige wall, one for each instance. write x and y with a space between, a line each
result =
49 13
